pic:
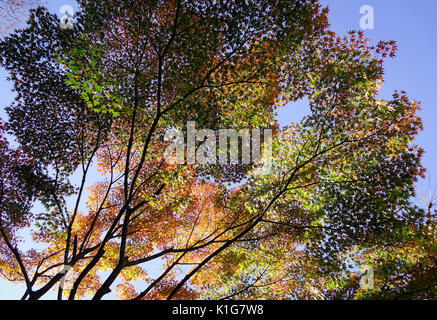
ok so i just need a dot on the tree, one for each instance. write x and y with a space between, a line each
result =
12 12
104 94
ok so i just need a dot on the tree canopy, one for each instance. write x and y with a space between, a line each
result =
96 102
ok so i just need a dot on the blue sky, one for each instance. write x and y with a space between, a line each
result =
411 23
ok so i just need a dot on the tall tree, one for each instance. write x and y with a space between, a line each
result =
103 95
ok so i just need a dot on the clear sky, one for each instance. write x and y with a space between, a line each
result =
412 23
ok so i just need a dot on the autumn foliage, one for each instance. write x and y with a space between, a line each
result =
89 179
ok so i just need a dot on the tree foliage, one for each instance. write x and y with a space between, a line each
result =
97 100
